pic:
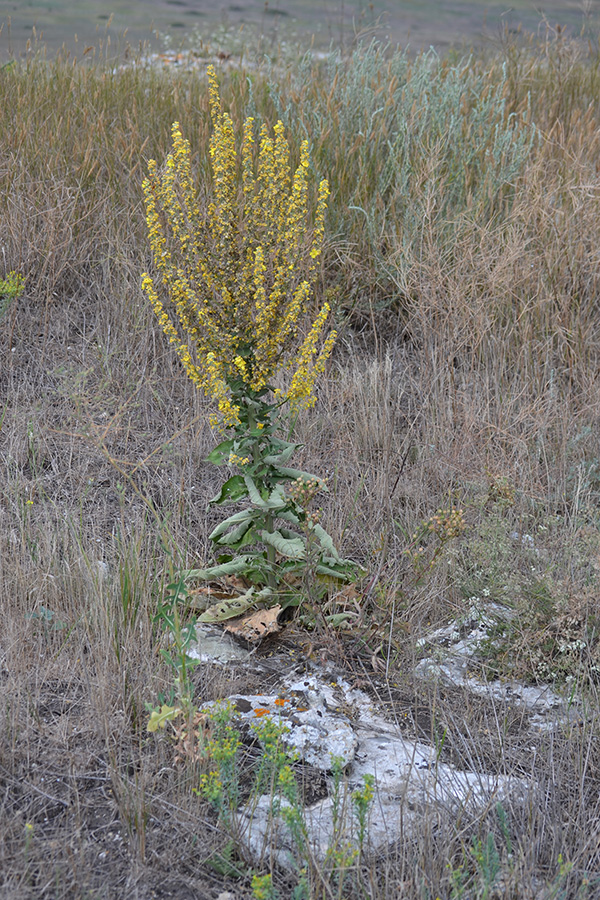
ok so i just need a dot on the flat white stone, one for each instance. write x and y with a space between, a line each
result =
312 731
410 782
325 717
213 645
451 651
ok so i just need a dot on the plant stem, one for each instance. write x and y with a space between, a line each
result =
269 521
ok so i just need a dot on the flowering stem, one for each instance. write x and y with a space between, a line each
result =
269 526
269 519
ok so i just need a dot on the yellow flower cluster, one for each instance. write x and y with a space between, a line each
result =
237 270
235 460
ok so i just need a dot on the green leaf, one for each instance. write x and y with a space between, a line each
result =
258 569
223 862
292 548
276 459
233 489
276 499
337 620
253 492
160 717
251 402
229 609
231 567
244 515
289 516
279 444
177 590
291 535
292 567
294 474
236 537
220 454
345 570
248 539
287 600
326 541
255 433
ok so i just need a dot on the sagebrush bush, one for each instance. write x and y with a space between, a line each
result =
412 145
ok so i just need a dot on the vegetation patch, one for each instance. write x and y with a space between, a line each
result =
454 421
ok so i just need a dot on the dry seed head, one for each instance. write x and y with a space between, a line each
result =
303 491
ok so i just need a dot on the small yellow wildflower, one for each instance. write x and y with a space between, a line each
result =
235 460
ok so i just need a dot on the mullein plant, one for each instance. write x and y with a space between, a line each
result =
231 290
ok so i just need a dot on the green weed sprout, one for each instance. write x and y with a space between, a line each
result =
11 287
262 888
362 800
220 786
232 285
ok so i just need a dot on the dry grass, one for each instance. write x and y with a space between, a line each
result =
469 354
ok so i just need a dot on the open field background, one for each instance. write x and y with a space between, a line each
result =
441 23
462 253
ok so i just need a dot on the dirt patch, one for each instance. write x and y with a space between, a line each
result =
85 808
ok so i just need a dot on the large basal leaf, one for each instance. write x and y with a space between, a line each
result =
278 444
221 453
239 536
228 609
279 459
263 570
231 567
292 548
276 499
253 492
234 489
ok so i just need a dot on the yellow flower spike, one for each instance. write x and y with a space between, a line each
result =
266 181
241 366
319 228
259 284
301 391
236 273
248 180
282 179
213 95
